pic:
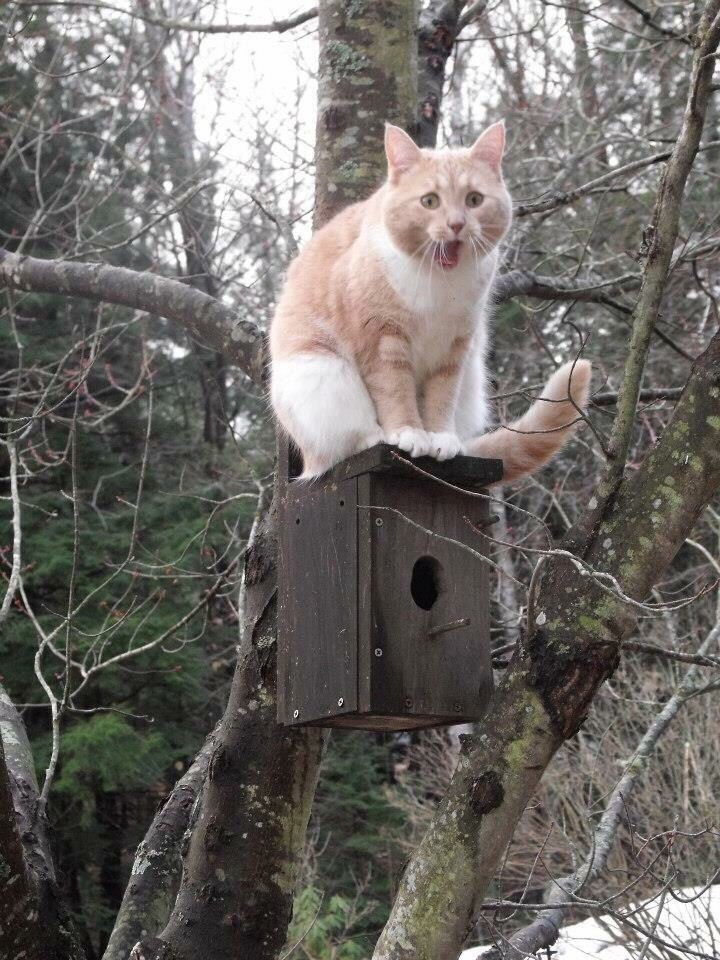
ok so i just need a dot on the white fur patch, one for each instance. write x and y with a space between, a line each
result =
413 441
324 405
472 413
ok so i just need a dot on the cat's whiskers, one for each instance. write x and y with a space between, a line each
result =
443 256
483 246
473 247
427 244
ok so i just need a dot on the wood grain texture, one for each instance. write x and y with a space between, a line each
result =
317 616
382 458
419 674
383 613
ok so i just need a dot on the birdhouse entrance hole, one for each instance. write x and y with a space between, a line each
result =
426 582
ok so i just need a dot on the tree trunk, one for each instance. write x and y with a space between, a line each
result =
367 75
35 924
242 861
155 875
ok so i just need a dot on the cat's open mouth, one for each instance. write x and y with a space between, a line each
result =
447 254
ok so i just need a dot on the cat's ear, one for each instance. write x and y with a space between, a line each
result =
490 145
401 151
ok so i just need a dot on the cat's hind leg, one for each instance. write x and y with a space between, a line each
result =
322 402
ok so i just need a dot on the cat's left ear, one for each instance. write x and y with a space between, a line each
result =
490 145
401 151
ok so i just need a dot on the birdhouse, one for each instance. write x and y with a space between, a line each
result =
383 619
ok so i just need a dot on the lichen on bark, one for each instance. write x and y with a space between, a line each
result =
367 75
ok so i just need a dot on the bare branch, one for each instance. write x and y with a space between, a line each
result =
525 283
649 395
544 930
207 320
473 12
273 26
599 184
647 18
662 236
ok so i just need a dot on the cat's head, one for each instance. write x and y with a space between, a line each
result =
443 206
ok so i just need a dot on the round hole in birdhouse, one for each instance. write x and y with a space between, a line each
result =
426 582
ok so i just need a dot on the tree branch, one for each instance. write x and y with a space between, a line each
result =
473 12
525 283
35 923
207 320
544 929
600 184
649 395
156 870
662 235
438 31
647 18
17 895
274 26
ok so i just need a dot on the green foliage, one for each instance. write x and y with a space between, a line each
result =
359 858
114 765
104 753
321 928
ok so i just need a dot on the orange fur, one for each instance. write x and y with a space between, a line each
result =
381 329
531 441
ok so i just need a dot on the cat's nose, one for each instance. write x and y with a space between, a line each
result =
457 226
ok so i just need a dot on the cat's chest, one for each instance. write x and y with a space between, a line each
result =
443 305
425 290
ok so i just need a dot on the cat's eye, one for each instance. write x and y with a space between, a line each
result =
431 201
474 199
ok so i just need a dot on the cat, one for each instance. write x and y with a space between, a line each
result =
381 331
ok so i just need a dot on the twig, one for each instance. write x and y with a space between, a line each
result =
273 26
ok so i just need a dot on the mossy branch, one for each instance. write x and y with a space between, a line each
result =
660 239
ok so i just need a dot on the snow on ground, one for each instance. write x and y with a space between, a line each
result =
694 924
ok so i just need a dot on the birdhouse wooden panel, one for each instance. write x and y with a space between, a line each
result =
383 612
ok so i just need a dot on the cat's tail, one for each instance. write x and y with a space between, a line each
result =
531 441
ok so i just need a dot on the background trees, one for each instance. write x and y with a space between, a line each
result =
137 455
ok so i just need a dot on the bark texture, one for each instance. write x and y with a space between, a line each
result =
155 875
35 924
367 75
439 27
206 319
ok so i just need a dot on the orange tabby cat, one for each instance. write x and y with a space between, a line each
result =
381 332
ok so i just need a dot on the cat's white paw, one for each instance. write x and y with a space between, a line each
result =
415 442
444 446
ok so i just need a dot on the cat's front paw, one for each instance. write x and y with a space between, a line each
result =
444 446
413 441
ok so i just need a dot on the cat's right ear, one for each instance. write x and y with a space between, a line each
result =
401 152
490 145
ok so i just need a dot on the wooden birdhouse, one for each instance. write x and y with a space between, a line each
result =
383 615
